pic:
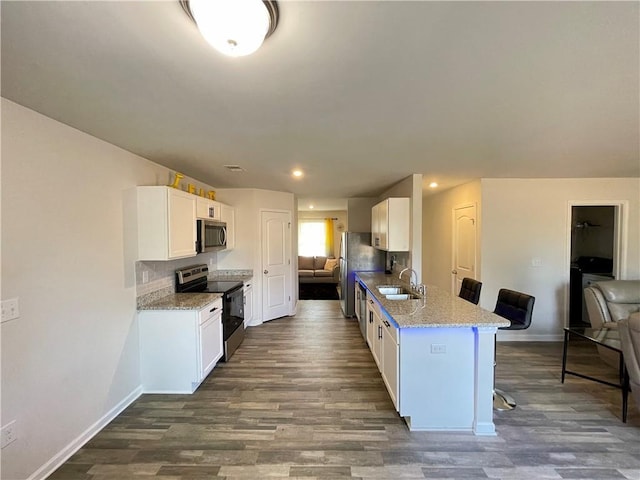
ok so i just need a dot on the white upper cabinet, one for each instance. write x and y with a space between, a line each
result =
228 216
166 220
208 209
390 224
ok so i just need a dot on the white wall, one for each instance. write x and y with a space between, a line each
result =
525 219
248 254
411 187
71 359
359 213
437 231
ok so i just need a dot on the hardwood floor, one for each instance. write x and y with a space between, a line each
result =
302 398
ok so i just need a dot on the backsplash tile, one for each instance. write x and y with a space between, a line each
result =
162 276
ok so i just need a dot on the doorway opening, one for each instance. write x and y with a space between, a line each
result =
595 252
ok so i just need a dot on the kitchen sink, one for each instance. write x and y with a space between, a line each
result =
396 292
401 296
391 289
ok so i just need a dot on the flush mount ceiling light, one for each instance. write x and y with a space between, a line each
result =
233 27
297 173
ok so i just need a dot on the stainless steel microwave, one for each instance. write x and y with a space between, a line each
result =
212 236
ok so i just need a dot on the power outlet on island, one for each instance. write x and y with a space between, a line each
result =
10 309
8 434
438 348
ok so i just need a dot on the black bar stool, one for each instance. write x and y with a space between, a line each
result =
470 290
517 308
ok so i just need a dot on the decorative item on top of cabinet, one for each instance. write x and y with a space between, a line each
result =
166 219
390 224
176 180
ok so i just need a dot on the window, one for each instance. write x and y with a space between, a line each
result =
312 238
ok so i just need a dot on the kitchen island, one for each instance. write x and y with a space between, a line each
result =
436 356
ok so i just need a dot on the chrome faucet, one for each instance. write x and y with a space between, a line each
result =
412 272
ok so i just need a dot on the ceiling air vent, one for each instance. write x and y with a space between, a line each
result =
234 168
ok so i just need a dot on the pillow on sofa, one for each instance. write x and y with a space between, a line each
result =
330 264
318 262
305 263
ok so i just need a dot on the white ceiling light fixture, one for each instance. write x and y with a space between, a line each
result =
233 27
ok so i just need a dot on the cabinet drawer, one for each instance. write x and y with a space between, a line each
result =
211 310
389 327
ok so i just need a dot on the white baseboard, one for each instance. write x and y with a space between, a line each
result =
63 455
519 336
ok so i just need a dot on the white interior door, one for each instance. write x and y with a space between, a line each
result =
464 246
276 264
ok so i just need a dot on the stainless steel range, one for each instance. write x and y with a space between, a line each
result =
193 279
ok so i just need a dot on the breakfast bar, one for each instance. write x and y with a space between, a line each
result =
435 352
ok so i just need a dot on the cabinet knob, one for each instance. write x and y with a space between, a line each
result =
266 271
455 272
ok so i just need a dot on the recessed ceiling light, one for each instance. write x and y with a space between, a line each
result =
433 184
297 173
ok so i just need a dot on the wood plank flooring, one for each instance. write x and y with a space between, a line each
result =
302 398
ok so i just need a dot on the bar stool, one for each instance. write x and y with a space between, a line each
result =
517 308
470 290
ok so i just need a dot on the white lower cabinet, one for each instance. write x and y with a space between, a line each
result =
371 321
382 337
390 354
248 303
179 348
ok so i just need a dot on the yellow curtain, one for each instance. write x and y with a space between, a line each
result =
328 231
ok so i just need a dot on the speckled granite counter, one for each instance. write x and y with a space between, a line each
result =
181 301
231 275
436 309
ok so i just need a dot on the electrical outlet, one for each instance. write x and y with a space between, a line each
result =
536 262
10 309
438 348
8 434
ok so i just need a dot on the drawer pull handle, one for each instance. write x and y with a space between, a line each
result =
213 309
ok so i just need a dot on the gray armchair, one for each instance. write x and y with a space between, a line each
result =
630 342
607 304
611 301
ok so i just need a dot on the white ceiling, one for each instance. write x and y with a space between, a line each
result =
357 94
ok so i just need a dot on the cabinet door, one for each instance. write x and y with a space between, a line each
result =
210 343
377 340
182 224
398 224
389 369
383 224
375 235
371 326
228 215
248 304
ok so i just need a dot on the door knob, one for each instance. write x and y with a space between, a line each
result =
455 272
266 271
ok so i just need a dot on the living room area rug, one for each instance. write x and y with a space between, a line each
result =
318 291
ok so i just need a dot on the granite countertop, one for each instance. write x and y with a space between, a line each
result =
230 275
229 278
438 308
181 301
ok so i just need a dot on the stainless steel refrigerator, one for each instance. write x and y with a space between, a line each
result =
356 255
